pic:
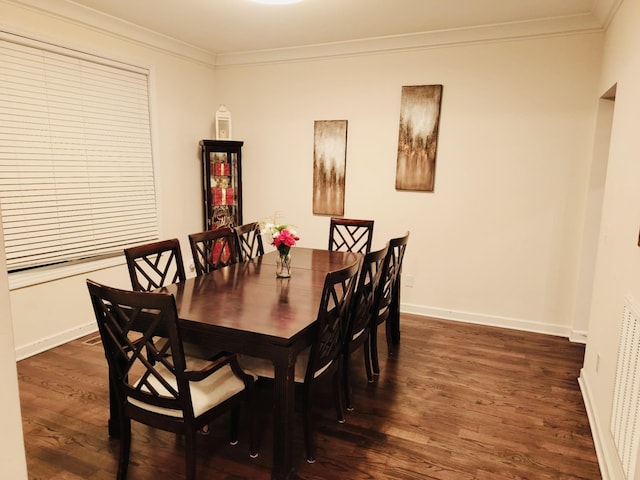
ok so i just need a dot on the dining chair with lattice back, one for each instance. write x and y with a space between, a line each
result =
399 246
214 249
155 264
359 326
170 392
249 241
387 300
324 357
350 235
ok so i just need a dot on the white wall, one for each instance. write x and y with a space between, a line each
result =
12 454
617 272
499 241
53 312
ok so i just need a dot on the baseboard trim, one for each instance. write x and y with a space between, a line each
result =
445 314
56 340
596 432
489 320
578 336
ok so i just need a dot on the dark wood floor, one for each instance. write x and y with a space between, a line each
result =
459 402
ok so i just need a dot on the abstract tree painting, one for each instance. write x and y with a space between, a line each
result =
329 164
418 137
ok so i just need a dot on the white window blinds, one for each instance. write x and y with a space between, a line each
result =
76 168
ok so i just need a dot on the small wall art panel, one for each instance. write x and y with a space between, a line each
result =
329 166
418 137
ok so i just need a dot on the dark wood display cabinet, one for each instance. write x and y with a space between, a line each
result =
221 183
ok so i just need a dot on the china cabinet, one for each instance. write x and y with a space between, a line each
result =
221 182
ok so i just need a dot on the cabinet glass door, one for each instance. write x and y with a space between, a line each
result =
223 178
222 183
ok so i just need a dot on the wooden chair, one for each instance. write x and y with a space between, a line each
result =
213 249
387 303
324 357
154 265
170 391
249 241
359 327
350 235
398 247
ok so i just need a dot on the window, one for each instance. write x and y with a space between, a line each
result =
76 167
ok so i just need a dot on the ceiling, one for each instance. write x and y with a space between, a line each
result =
222 27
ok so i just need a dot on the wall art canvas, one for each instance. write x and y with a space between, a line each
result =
418 137
329 166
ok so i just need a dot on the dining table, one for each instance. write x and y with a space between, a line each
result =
246 308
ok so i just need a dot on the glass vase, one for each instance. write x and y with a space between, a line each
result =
283 265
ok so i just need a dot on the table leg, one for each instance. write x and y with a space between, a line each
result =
283 418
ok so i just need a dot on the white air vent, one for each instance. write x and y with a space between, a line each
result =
626 395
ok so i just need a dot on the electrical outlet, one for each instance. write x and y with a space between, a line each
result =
408 280
597 362
192 267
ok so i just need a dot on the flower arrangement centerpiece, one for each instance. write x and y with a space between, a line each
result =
283 237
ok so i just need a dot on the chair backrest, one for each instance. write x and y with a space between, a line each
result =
390 274
364 296
350 235
213 249
333 315
397 247
249 241
154 265
140 371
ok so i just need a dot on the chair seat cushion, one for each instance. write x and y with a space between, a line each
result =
213 390
264 368
356 335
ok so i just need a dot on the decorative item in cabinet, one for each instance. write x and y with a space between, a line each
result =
222 183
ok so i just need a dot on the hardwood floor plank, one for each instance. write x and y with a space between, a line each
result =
458 401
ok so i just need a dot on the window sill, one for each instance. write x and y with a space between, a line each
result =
43 275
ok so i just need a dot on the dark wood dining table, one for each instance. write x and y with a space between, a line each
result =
244 308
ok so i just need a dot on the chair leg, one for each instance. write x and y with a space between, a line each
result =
346 384
367 360
125 448
233 430
338 394
391 346
307 427
251 412
373 342
190 455
394 316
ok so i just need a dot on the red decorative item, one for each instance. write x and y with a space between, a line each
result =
221 169
223 196
221 253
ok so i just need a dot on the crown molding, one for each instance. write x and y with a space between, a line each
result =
115 27
605 10
577 24
67 10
